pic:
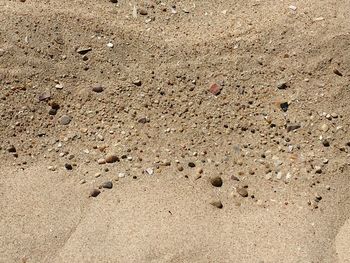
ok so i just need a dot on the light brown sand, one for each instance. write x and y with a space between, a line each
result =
47 218
245 46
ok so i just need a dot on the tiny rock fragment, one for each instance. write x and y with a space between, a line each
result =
101 161
281 84
54 105
97 88
59 86
318 169
318 198
45 96
337 72
11 149
234 178
149 171
293 127
325 143
191 164
216 181
110 45
114 1
242 192
137 82
143 12
84 50
217 204
324 127
292 7
215 89
68 166
112 158
52 111
65 120
94 193
143 120
284 106
107 185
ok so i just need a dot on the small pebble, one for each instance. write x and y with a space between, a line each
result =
107 184
149 171
282 84
52 111
94 193
121 175
216 181
68 166
324 127
217 204
101 161
137 82
97 88
191 164
112 158
242 192
318 169
83 50
325 143
234 178
65 120
293 127
337 72
215 89
143 12
284 106
11 149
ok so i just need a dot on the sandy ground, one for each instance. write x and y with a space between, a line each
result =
45 219
156 99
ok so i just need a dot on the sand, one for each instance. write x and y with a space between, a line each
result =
158 113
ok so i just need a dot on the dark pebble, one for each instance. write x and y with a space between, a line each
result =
216 181
337 72
234 178
54 105
112 158
325 143
143 120
284 106
52 111
97 88
191 164
68 166
281 84
137 82
293 127
107 184
242 192
143 12
11 149
217 204
94 192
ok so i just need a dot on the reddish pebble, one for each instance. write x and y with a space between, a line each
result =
215 89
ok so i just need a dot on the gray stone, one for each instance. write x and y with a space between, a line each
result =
65 120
